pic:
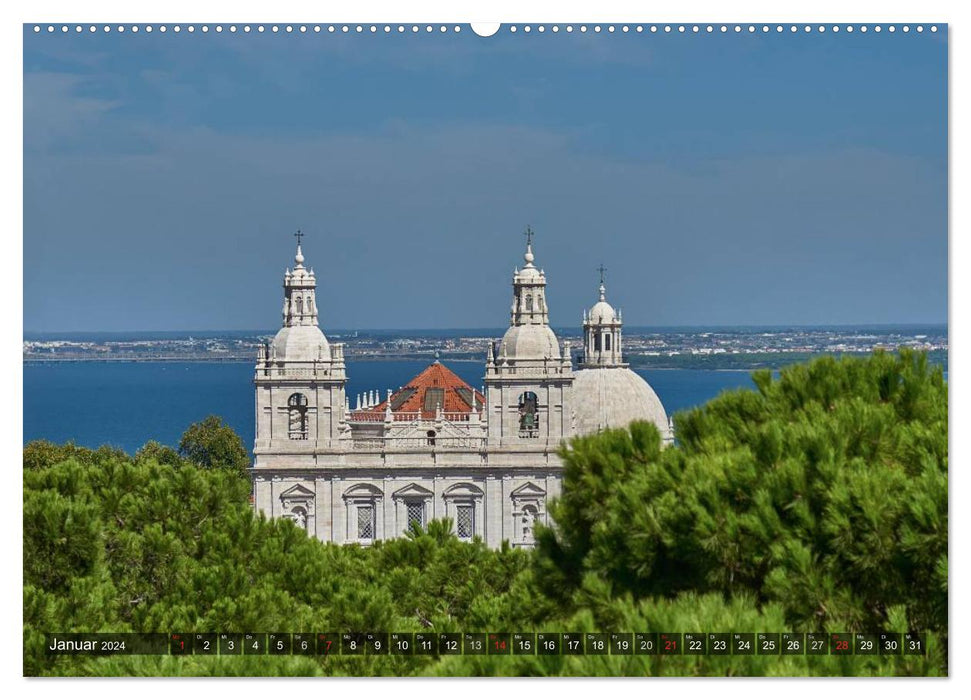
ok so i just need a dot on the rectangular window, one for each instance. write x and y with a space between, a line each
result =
416 513
298 424
365 522
465 521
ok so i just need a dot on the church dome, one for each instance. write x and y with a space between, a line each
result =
300 344
529 273
529 342
602 312
613 397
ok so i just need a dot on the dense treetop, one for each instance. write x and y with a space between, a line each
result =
816 503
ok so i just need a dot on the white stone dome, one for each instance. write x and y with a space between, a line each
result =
300 344
613 397
602 312
529 273
529 342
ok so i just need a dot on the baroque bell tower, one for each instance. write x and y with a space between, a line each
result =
528 377
300 379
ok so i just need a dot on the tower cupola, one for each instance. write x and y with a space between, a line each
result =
299 292
529 339
300 338
602 332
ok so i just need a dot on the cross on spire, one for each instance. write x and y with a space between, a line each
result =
602 270
299 234
529 233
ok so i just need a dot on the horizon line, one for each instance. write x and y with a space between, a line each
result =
492 328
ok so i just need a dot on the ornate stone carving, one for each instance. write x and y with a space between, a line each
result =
298 496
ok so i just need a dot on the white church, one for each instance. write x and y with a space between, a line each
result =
436 447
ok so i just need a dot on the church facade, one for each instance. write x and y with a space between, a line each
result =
435 448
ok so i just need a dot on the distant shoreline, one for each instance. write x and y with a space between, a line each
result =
704 363
485 332
215 360
736 349
136 360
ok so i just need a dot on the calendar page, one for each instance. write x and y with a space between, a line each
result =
438 348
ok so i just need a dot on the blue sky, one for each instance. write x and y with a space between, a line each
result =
722 179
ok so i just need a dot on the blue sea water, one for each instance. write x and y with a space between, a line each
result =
126 404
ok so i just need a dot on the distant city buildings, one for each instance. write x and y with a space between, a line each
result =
642 349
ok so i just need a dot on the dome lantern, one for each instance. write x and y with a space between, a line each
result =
602 332
529 339
300 338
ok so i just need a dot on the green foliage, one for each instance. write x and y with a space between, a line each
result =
604 611
212 444
817 503
824 492
163 454
41 453
134 545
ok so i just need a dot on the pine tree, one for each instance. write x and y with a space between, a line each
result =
824 491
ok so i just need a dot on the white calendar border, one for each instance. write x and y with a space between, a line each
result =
441 11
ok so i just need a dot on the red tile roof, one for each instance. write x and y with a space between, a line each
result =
434 385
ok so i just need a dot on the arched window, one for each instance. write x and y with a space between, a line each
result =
596 342
528 415
431 437
297 409
529 302
606 341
